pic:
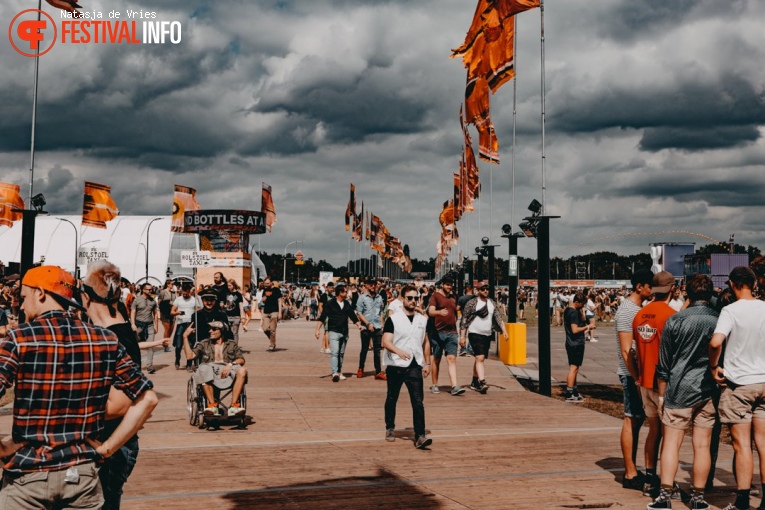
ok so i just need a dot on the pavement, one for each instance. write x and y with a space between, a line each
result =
311 443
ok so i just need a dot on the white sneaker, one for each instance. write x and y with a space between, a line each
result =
342 377
235 411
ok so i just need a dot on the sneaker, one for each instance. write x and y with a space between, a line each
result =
484 387
167 349
189 369
698 503
732 506
574 397
594 340
475 386
235 410
177 366
434 389
651 486
457 391
212 410
150 370
634 483
390 435
335 377
341 377
663 501
422 442
380 376
360 373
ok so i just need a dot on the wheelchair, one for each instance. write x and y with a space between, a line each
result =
197 402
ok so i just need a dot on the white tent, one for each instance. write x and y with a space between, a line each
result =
127 240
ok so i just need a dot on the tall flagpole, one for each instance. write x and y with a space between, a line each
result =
34 116
512 153
544 182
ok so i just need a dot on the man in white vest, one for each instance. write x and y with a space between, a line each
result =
407 358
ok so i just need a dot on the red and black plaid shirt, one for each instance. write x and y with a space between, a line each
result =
63 369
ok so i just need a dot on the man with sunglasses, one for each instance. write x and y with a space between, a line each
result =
219 359
144 318
480 319
407 358
201 319
337 312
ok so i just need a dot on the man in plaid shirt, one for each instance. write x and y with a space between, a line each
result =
63 370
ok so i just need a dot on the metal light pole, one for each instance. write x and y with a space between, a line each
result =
76 271
284 259
543 275
148 229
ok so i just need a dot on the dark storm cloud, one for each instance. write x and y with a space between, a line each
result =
696 139
717 114
637 19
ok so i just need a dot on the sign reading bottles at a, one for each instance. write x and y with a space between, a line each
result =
195 258
88 254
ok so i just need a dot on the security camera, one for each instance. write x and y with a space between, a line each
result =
485 240
506 229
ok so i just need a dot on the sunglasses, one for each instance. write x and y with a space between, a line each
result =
213 328
411 298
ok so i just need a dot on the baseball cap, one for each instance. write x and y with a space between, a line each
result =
742 274
662 282
55 281
208 293
447 281
481 285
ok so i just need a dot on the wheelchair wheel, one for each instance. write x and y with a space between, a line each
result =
192 403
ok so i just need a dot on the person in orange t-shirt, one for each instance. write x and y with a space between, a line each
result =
647 327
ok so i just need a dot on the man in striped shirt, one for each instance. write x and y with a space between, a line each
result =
64 370
628 374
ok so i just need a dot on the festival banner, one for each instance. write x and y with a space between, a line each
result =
184 199
97 205
358 224
350 210
267 206
203 220
11 204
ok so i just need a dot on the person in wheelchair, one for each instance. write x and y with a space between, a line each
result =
220 362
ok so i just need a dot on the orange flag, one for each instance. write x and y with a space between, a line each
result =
350 210
267 206
11 203
97 205
184 200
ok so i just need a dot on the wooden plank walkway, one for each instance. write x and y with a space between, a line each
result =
317 444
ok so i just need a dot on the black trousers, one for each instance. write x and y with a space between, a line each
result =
376 338
412 377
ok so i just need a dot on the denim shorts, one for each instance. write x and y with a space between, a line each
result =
633 403
445 342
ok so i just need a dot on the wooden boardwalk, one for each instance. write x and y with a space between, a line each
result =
317 444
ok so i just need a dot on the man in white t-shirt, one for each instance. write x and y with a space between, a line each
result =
480 319
742 403
183 308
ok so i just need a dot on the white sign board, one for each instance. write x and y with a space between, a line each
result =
325 277
195 258
88 254
513 269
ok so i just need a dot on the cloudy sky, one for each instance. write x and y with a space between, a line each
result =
655 115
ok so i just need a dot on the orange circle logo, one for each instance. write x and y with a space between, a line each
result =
29 33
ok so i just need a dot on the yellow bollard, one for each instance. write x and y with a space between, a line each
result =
513 350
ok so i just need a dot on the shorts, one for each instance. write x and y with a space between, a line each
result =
738 404
575 354
633 404
480 343
211 373
702 415
650 402
445 342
